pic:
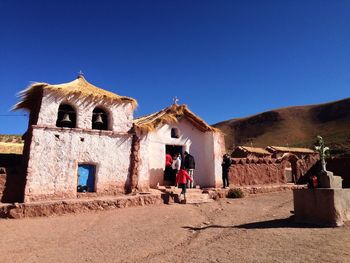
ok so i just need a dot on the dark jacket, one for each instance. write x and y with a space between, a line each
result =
226 163
189 162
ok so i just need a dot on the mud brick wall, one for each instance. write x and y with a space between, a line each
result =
245 171
267 171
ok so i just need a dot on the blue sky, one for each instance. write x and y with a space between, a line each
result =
225 59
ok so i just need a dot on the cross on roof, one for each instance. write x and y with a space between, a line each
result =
175 100
80 73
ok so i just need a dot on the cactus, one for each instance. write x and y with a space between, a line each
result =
322 150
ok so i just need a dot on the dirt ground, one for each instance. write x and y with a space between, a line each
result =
252 229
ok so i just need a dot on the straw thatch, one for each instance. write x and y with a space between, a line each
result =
11 148
253 150
79 87
289 149
171 114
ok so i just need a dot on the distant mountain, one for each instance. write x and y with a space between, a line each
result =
293 126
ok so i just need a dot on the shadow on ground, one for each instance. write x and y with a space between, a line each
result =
275 223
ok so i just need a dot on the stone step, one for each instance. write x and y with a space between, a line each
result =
198 201
193 195
176 189
197 198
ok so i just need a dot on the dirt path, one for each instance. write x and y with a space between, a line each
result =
253 229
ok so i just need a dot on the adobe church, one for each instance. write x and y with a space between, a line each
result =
83 139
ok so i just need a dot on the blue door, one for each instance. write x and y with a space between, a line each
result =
86 178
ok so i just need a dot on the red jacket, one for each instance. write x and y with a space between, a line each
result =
168 160
182 177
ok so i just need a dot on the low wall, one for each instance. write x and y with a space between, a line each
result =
245 171
268 171
52 208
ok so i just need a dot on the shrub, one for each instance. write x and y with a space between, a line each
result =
235 193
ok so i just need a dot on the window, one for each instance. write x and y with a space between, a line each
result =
175 133
66 116
99 119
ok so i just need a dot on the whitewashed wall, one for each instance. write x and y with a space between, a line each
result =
197 143
121 115
216 143
53 162
143 182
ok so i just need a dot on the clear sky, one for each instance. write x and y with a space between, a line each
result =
225 59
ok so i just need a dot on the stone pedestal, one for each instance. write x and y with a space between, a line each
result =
322 206
328 180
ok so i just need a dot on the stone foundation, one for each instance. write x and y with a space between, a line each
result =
52 208
113 189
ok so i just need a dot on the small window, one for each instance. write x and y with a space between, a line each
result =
66 116
99 119
175 133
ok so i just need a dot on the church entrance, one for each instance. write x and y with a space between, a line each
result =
173 149
169 174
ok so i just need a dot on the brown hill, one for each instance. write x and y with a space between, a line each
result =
293 126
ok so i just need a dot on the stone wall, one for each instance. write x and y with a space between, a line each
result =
55 154
262 171
268 171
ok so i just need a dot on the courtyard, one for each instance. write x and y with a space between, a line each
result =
257 228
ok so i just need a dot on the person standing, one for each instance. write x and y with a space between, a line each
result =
176 165
181 179
168 172
226 163
189 164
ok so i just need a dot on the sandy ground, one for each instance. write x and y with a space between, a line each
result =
253 229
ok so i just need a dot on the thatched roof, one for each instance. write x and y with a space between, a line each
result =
253 150
79 86
289 149
171 114
11 148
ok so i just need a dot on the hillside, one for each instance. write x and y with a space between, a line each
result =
293 126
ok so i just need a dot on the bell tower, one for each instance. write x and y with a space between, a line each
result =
78 139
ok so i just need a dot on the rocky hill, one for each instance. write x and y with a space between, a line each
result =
293 126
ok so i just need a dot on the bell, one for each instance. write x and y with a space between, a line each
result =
98 119
66 119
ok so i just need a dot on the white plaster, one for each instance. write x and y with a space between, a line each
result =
120 115
144 161
199 144
53 162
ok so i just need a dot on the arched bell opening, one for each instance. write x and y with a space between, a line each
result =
99 119
66 116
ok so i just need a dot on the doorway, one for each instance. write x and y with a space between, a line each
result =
173 149
86 178
169 173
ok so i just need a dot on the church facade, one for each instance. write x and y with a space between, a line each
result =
84 140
